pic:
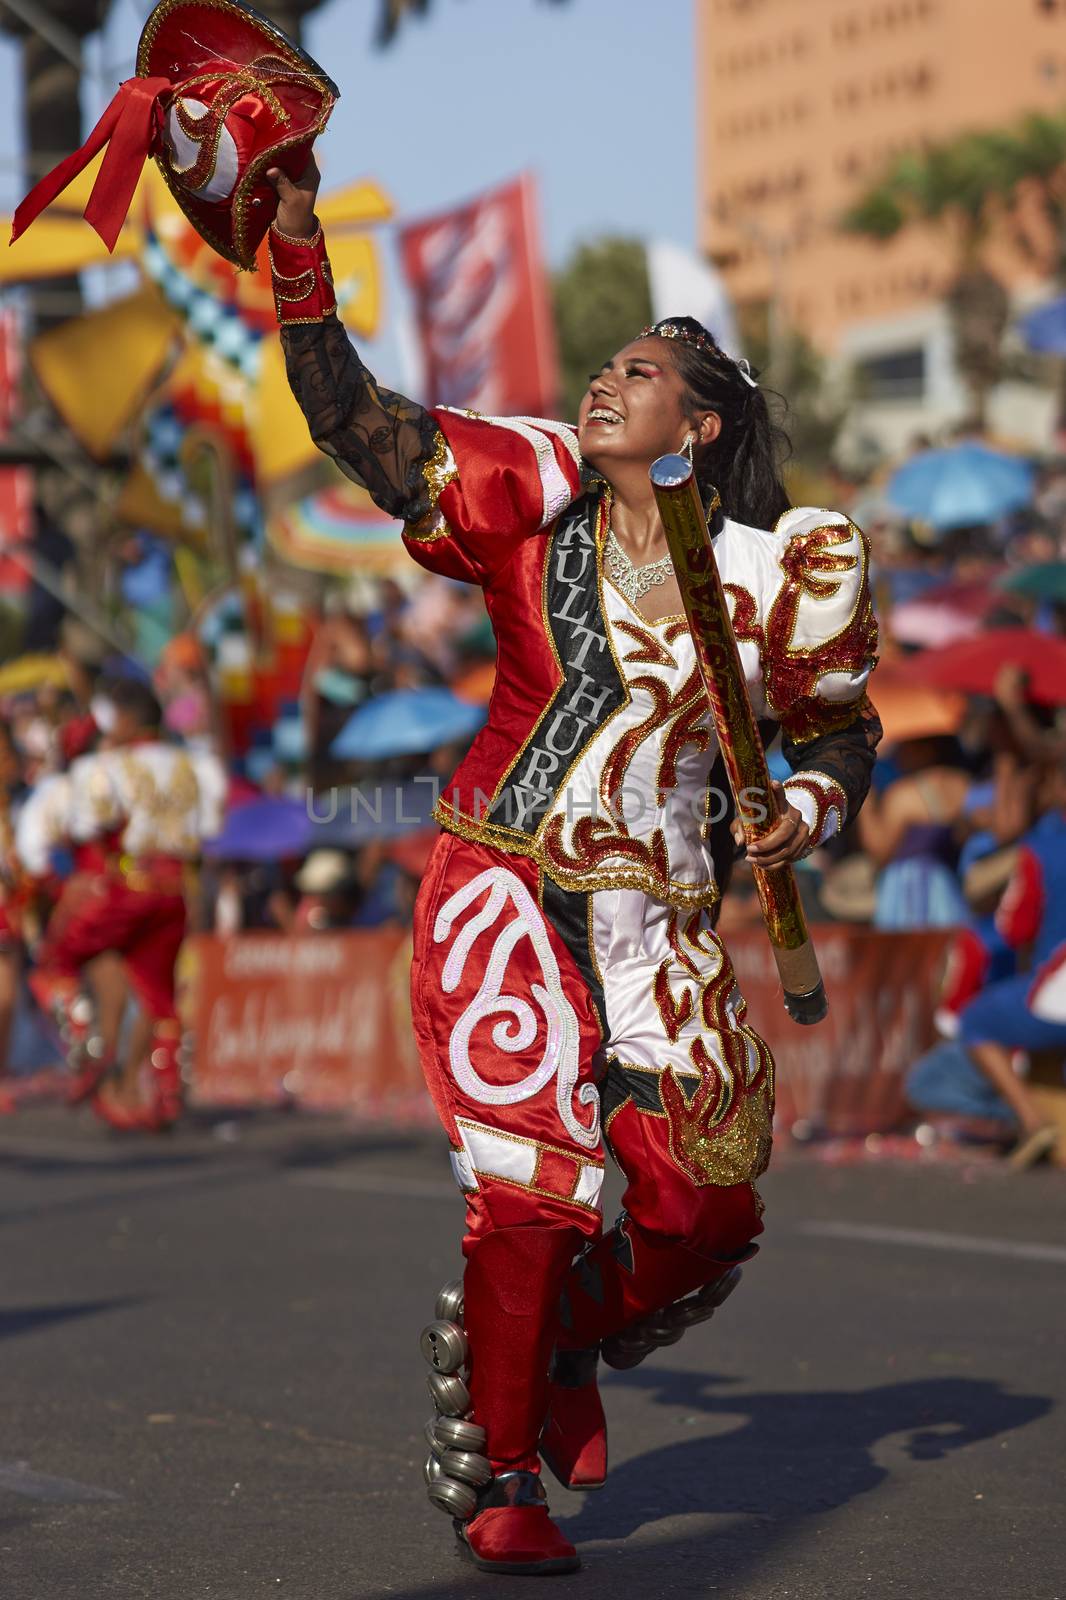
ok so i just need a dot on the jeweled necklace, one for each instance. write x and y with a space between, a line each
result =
631 580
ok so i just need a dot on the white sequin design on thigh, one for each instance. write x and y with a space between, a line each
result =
561 1051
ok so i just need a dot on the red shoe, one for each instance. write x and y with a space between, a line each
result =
512 1532
125 1119
88 1074
574 1442
167 1096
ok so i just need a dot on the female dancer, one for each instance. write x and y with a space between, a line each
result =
566 966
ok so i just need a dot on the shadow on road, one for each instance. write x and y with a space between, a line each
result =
32 1319
790 1456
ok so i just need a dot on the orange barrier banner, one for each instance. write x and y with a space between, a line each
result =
324 1019
845 1075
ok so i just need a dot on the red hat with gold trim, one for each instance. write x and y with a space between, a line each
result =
220 96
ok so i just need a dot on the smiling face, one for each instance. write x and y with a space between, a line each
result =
634 409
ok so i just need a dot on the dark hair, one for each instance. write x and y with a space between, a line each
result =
744 462
135 698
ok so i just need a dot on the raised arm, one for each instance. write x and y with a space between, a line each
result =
380 439
468 488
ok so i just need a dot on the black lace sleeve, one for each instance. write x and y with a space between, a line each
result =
380 439
847 756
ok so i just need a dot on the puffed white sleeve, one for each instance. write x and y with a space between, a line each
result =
42 824
820 646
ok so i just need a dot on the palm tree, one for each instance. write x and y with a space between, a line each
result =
1034 161
961 185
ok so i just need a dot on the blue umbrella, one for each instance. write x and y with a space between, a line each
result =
406 722
963 484
263 830
1045 328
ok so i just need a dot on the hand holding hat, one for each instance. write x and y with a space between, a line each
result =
296 200
221 96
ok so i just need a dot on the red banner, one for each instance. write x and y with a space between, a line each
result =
845 1075
324 1019
482 305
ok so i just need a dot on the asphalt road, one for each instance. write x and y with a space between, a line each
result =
210 1383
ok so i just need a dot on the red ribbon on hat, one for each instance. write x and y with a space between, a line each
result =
128 128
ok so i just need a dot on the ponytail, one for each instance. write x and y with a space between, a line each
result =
744 462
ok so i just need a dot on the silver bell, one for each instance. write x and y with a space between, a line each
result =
449 1307
444 1346
452 1433
449 1393
431 1471
81 1010
713 1294
660 1330
455 1499
434 1443
621 1352
466 1466
687 1313
94 1047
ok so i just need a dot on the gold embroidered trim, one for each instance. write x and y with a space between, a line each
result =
440 470
519 1138
609 1119
430 527
298 322
437 473
684 896
581 1162
292 238
594 959
302 283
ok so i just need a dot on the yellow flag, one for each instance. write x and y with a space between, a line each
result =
97 368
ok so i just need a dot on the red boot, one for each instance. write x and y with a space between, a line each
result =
167 1098
124 1119
574 1442
70 1011
512 1532
628 1275
89 1065
512 1286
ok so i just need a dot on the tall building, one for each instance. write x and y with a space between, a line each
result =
803 103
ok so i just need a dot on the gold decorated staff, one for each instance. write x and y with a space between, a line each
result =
692 552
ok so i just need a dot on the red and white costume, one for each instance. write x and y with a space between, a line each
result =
570 991
135 817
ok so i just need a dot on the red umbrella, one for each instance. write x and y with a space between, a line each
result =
973 665
944 614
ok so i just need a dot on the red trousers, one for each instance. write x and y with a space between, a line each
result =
540 1013
145 925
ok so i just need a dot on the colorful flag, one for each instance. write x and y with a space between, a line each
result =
482 305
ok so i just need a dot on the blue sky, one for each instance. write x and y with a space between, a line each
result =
596 95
